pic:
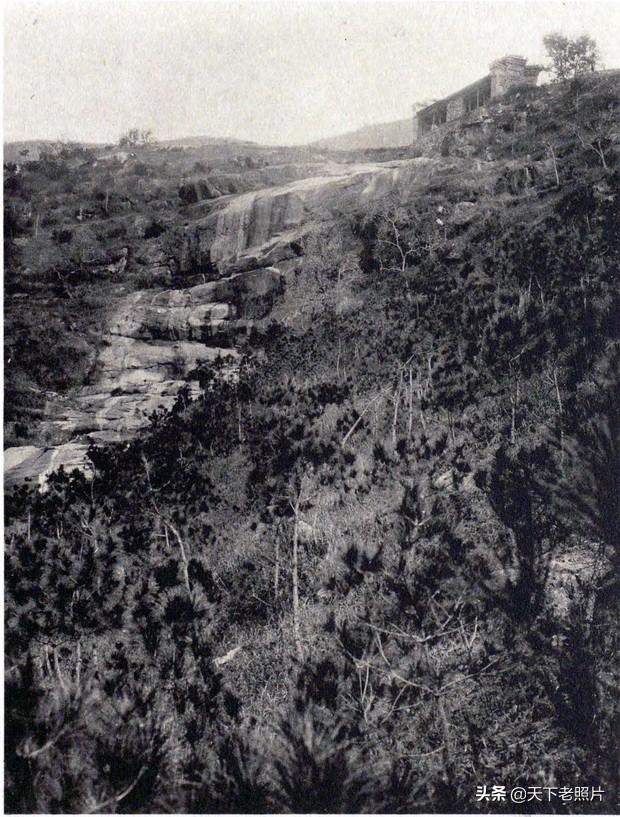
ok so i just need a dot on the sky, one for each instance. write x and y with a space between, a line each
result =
273 72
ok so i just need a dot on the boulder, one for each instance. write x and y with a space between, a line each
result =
464 212
200 190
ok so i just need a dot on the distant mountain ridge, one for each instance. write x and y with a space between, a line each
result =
383 135
200 141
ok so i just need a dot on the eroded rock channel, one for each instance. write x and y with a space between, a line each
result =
155 339
154 342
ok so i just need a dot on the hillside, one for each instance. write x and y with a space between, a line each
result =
31 150
384 135
345 536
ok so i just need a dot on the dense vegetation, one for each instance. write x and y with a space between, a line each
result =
379 569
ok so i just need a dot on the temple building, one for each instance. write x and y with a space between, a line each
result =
503 74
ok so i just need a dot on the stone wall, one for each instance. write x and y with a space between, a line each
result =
507 72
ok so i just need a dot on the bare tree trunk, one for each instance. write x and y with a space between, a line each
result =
561 413
602 154
419 390
429 381
78 667
542 295
396 406
240 429
410 421
451 427
276 572
514 401
184 561
359 419
47 660
296 629
59 675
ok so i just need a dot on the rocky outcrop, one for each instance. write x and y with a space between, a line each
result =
155 342
125 363
156 339
135 379
264 227
202 189
201 312
27 462
111 416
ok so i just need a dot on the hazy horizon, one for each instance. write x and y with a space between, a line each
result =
267 72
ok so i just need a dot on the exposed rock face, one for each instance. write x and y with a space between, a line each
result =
152 348
188 319
156 339
126 362
104 416
200 312
260 228
464 212
27 462
263 227
135 378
